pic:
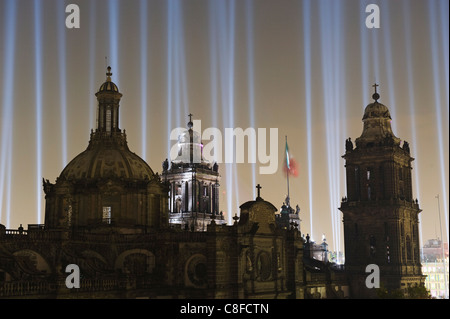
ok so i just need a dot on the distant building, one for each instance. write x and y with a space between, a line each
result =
435 268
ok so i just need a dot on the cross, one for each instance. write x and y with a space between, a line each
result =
259 189
190 117
375 86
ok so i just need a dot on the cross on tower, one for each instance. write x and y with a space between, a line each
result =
190 124
375 86
375 96
259 190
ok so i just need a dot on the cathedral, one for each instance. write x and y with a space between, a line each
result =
134 233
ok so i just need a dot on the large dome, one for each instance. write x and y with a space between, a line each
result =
101 163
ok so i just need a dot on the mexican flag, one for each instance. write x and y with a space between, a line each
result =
290 165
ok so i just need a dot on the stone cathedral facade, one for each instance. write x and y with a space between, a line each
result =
136 234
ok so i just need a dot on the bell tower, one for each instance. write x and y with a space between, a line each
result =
380 216
193 184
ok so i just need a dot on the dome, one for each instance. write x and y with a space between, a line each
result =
377 128
189 136
376 110
102 162
108 86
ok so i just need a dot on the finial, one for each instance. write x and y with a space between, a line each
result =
190 124
375 96
108 74
259 190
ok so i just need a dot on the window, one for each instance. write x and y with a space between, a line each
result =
108 119
69 215
106 215
388 255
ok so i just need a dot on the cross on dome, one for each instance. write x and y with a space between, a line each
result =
375 96
259 190
190 124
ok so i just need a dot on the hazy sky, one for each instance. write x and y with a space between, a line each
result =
303 67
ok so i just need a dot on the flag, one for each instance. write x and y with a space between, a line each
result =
290 165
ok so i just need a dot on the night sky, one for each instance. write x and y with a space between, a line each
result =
305 68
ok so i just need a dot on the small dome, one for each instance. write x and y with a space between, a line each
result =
376 110
108 86
102 162
377 128
189 135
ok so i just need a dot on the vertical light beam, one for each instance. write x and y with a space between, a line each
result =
308 103
38 62
332 76
113 53
177 101
411 99
144 66
92 61
62 80
222 78
250 77
9 28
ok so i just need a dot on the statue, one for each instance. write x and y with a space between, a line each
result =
406 146
349 144
165 165
216 167
297 209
